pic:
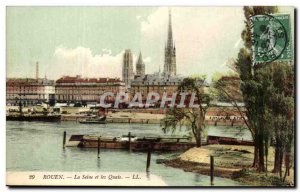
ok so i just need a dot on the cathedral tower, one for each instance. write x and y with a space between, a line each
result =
127 70
170 52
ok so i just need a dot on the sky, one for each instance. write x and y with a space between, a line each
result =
90 41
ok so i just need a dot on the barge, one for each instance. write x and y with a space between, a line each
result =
133 143
227 141
45 118
99 120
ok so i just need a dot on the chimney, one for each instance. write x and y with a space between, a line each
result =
37 71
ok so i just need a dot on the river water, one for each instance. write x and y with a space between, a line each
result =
37 146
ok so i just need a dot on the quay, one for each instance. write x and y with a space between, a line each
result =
110 119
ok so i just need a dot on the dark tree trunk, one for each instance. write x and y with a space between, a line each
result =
198 137
276 160
287 159
278 156
280 166
285 174
198 131
266 152
255 160
261 156
198 143
287 164
266 163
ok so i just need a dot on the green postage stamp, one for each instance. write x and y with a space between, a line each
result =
271 38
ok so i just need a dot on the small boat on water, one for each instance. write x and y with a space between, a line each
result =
97 120
126 138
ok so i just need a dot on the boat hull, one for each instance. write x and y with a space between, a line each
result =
52 118
92 122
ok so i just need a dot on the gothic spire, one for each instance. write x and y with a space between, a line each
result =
170 33
140 59
170 51
140 66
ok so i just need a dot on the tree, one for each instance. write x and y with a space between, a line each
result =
228 89
282 105
193 118
253 89
268 94
183 116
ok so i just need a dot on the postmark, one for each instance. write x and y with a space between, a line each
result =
270 38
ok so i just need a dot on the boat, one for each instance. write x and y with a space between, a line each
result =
97 120
227 141
135 144
126 138
46 118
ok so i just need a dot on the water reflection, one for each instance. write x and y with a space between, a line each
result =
148 175
197 178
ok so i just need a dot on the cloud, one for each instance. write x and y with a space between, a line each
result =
147 60
81 61
205 37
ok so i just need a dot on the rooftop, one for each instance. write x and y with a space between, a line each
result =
29 81
158 79
79 79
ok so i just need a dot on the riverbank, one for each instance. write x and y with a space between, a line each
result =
230 161
120 117
132 115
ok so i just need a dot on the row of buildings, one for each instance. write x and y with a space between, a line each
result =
30 91
67 89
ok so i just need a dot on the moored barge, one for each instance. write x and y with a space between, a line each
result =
99 120
45 118
134 143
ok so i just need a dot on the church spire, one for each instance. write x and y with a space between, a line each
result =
170 51
140 59
140 66
170 33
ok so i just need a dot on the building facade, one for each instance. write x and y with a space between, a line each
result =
154 83
77 89
127 70
160 84
28 91
170 52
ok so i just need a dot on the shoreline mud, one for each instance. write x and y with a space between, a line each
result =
232 162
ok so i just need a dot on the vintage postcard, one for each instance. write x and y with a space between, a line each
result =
150 96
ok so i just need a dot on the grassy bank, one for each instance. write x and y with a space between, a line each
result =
232 162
